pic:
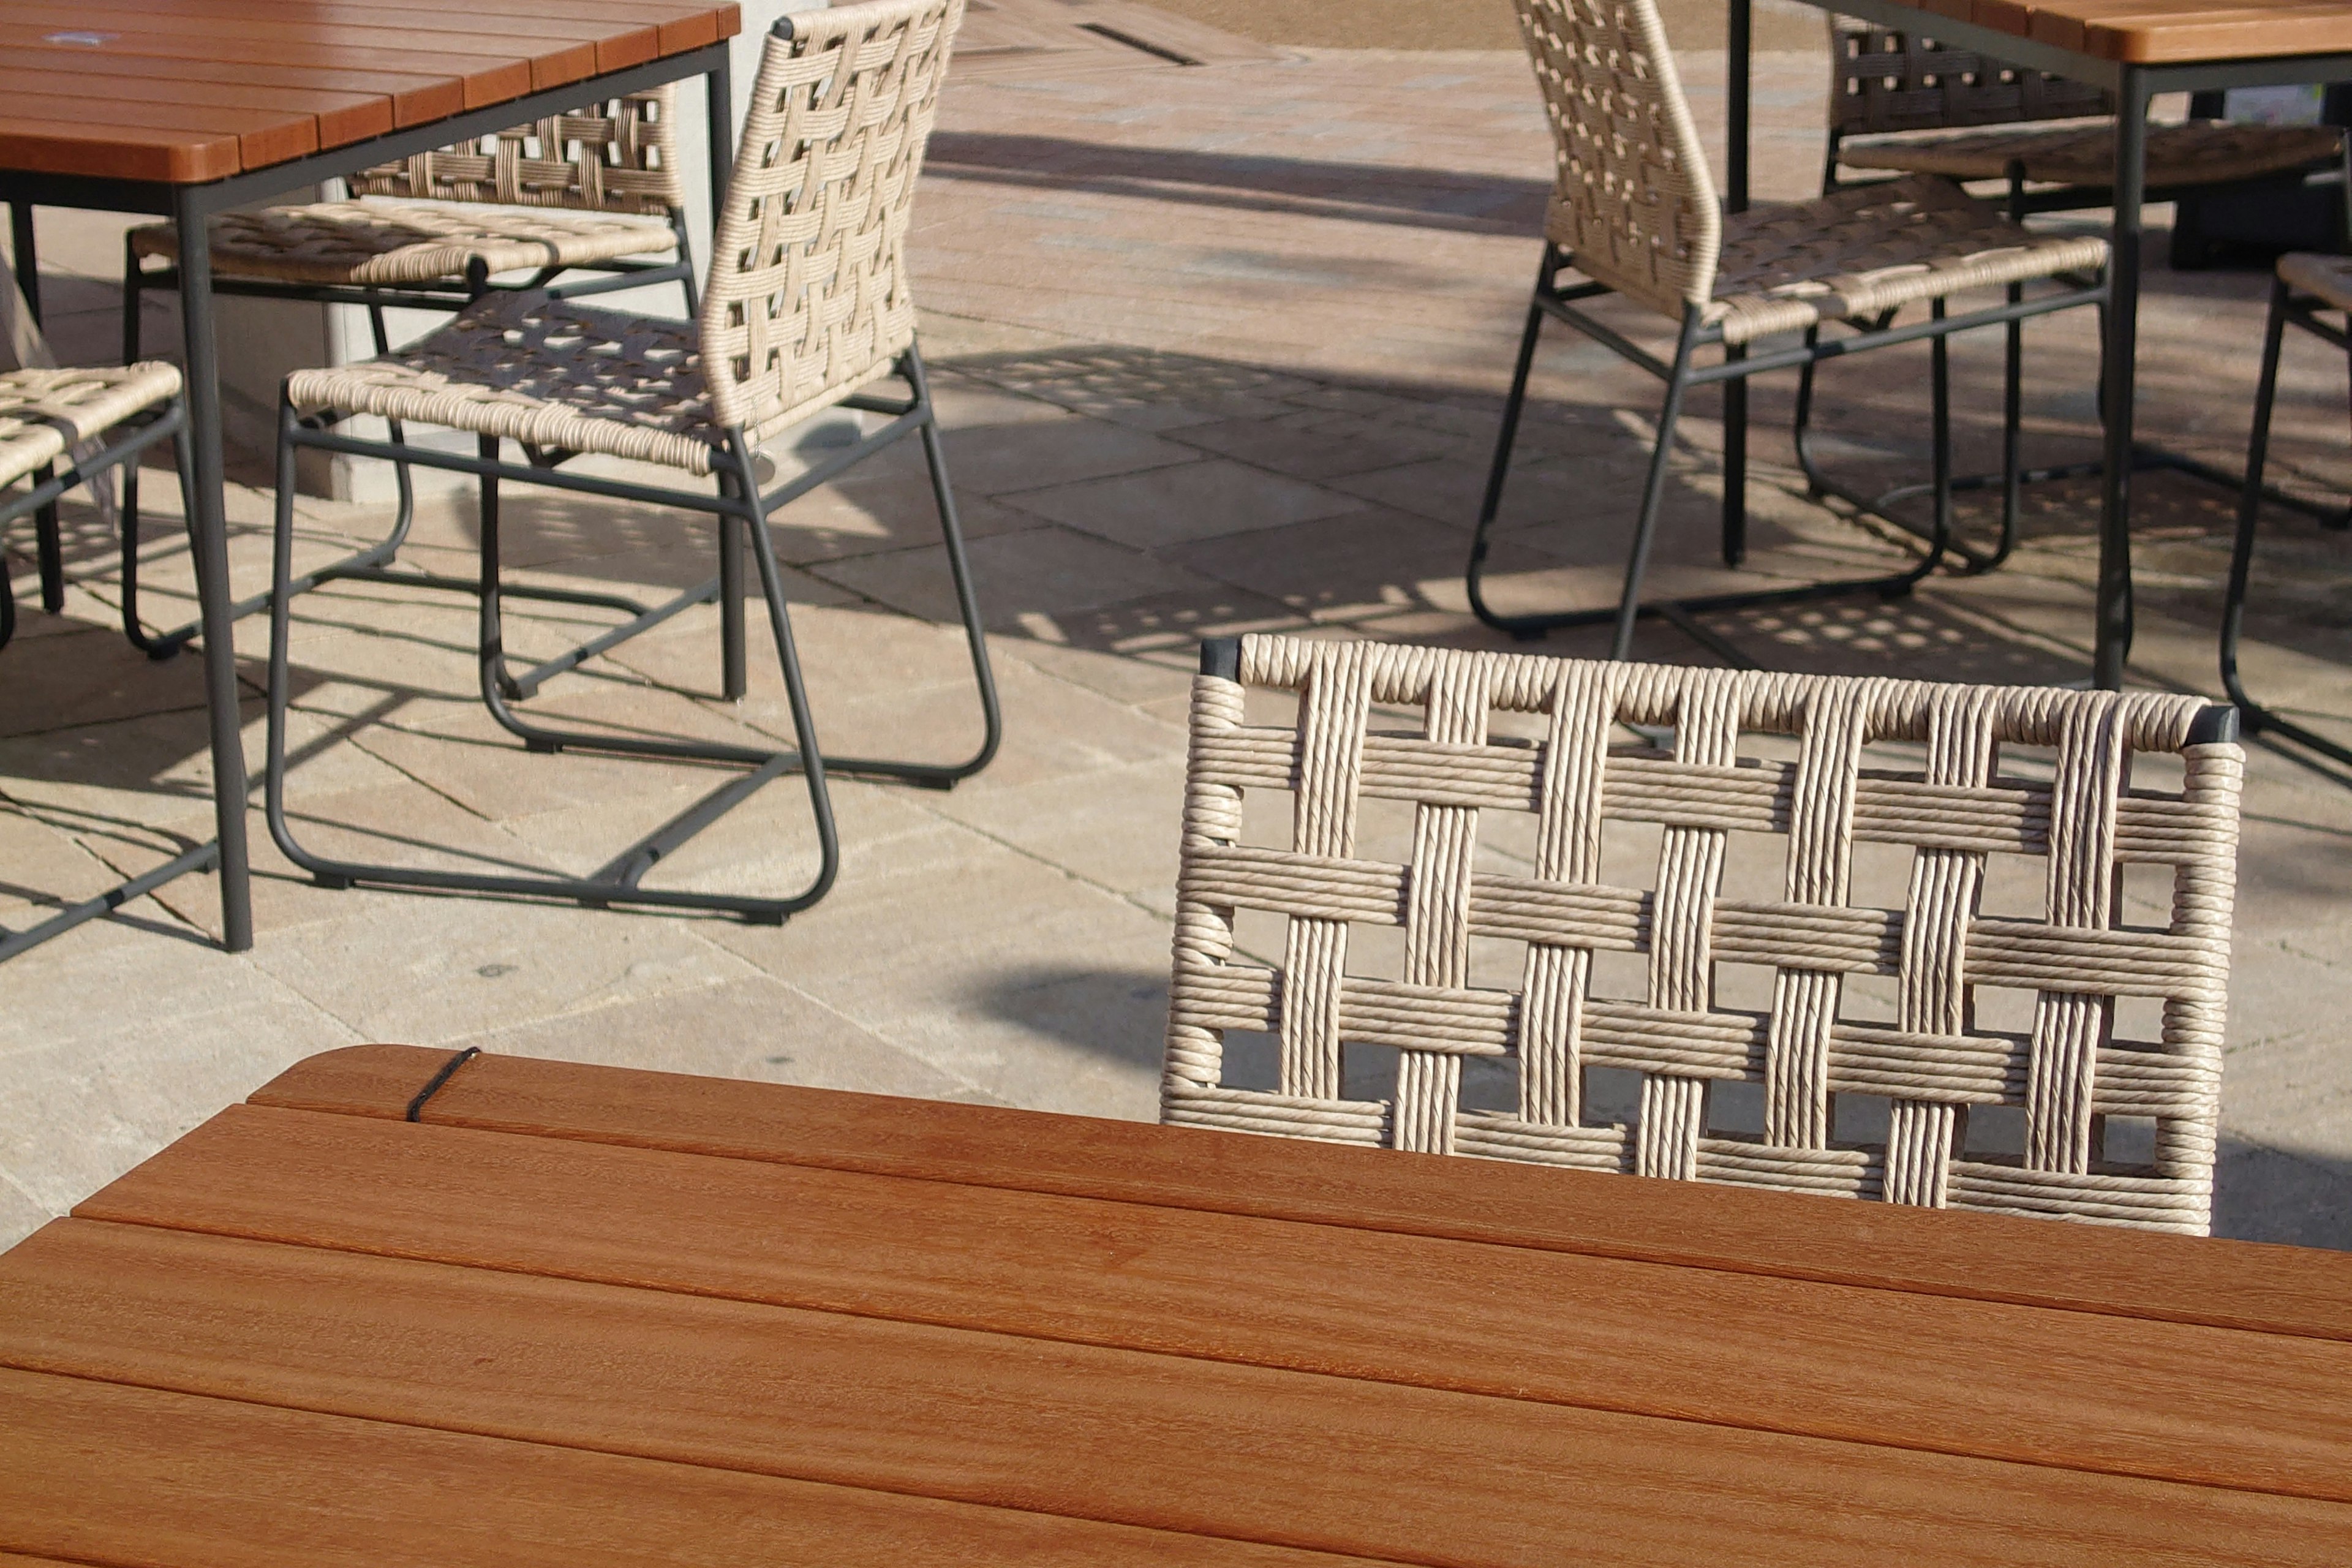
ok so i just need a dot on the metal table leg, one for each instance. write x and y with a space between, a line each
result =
2114 616
719 112
210 533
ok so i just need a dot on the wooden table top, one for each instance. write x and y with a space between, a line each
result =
184 91
580 1315
2165 32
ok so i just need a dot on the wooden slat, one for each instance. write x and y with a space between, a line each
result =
414 97
485 58
483 78
338 117
264 135
93 1472
2227 1284
2162 1400
1341 1464
2154 32
106 151
615 43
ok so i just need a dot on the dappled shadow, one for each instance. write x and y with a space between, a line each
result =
2262 1193
1118 1015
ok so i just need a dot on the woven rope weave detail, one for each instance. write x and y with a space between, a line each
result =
385 243
45 413
619 156
548 372
1933 1062
808 296
1883 80
2202 153
1632 196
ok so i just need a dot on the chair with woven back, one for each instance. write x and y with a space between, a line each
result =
1902 104
579 203
806 309
1634 213
1519 947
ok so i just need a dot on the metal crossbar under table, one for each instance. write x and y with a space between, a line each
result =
2135 86
191 208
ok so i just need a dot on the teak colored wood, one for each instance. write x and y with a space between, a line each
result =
187 91
583 1315
2165 32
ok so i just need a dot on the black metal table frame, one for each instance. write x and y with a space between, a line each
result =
189 207
2135 86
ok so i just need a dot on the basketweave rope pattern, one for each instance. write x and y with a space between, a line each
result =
1955 807
2200 152
385 243
1883 80
1867 249
808 297
549 372
619 156
45 412
1631 198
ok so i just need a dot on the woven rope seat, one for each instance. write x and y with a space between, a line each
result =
2197 154
1857 252
2328 278
548 372
1521 881
46 413
428 217
388 243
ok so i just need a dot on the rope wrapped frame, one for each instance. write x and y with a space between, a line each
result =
808 296
2066 1074
1631 199
618 156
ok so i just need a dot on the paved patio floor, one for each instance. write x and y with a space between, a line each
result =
1219 348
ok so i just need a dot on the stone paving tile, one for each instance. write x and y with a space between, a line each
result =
1040 571
1170 506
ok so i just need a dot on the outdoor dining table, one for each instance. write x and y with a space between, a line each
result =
2136 49
403 1307
187 108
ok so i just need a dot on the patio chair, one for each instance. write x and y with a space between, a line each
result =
1904 105
1634 210
806 308
598 192
2127 1014
47 416
2305 287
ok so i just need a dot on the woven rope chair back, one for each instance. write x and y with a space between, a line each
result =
1881 80
808 297
619 156
1631 199
1468 869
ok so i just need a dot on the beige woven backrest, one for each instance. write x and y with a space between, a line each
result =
1861 941
617 157
1631 199
808 296
1881 80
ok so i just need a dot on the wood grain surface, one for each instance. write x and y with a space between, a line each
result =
142 91
880 1327
2165 32
1343 1464
1961 1377
2284 1289
207 1483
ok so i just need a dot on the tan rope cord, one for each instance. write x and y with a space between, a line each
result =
808 284
44 412
2066 1074
386 244
618 156
808 296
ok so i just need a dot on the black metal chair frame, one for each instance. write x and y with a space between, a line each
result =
169 422
619 273
2147 456
741 507
2304 311
1551 300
